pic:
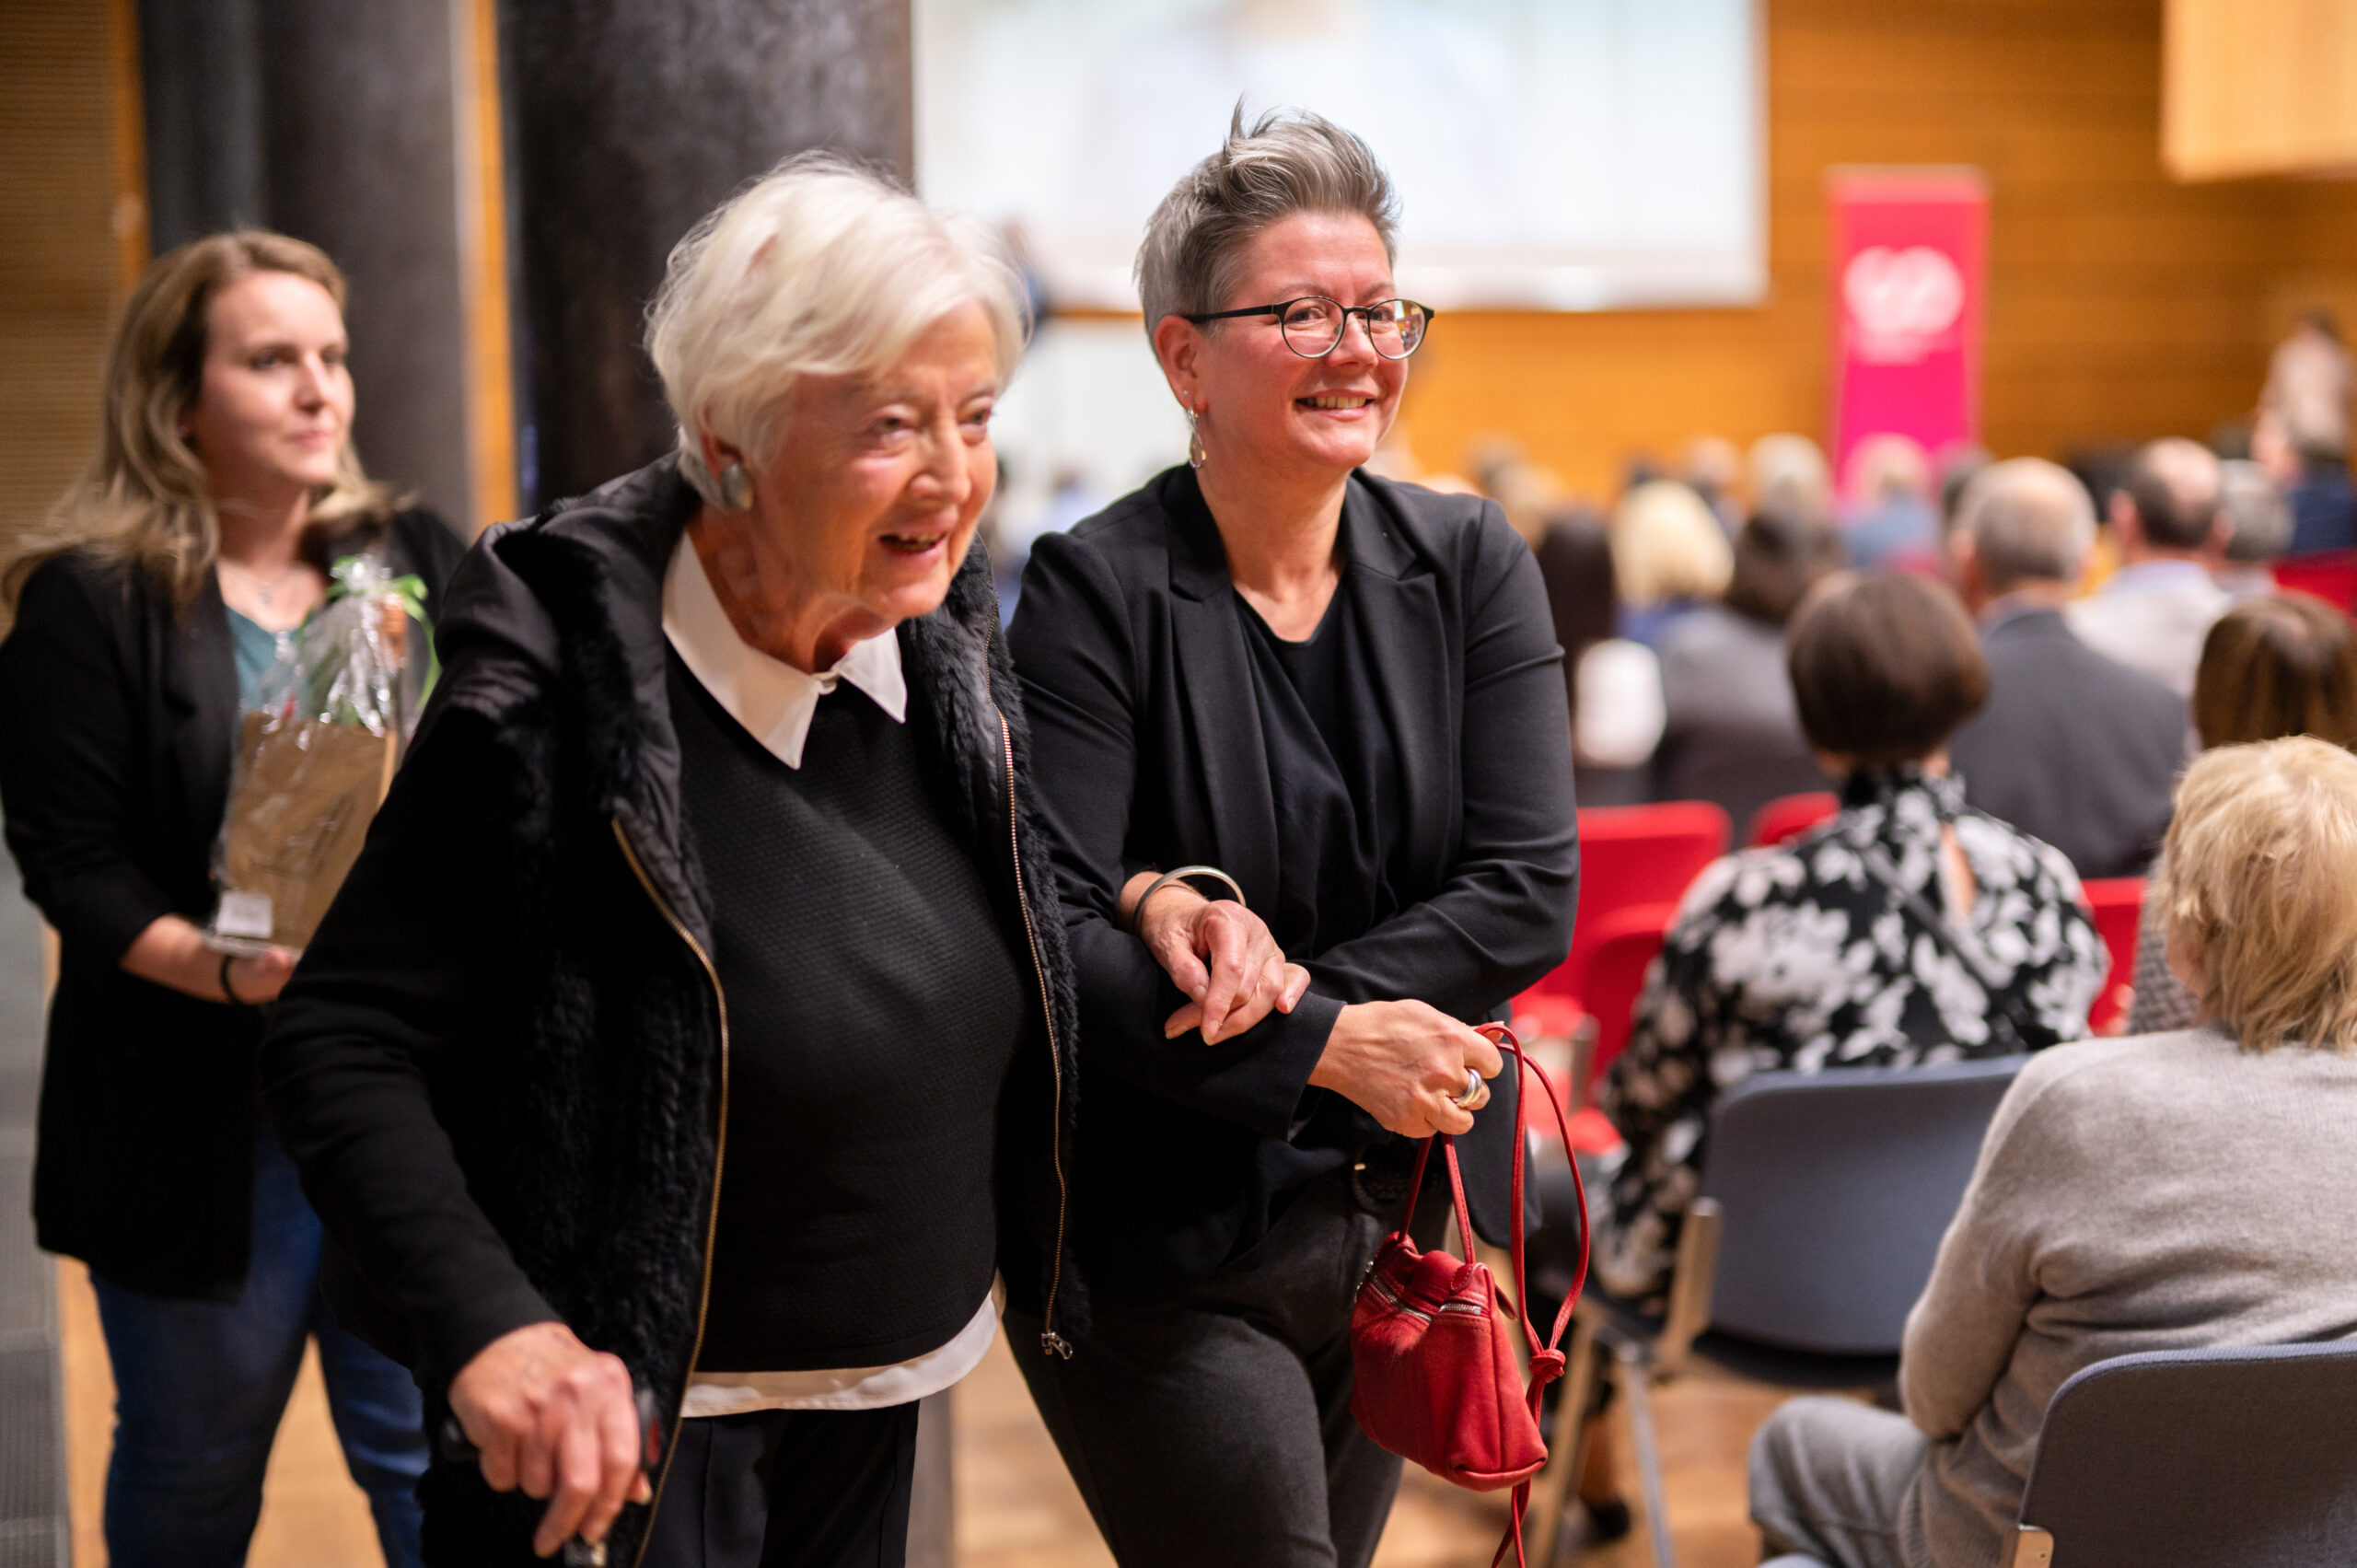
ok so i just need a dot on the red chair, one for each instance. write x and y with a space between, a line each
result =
1789 816
1613 973
2118 904
2330 575
1635 855
1626 943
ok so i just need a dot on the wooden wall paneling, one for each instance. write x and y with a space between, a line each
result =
2122 304
61 261
2260 87
482 257
129 133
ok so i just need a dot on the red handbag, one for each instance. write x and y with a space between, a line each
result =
1437 1381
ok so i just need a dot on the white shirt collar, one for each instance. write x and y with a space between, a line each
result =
771 699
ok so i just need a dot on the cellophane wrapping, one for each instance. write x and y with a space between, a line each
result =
316 754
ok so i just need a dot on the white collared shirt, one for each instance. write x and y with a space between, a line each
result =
771 699
775 703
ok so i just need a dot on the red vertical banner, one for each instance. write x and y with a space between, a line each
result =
1909 255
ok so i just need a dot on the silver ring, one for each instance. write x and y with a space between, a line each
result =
1473 1091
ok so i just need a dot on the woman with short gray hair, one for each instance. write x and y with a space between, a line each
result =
686 1064
1274 678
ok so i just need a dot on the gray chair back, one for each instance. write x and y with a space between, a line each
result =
1835 1188
2215 1458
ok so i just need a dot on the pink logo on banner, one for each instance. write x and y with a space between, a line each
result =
1909 250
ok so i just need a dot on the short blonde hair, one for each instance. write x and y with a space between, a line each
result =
819 268
145 499
1666 544
2260 874
1788 472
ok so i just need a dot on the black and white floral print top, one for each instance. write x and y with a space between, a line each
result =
1799 957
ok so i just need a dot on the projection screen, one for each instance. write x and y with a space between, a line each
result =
1550 155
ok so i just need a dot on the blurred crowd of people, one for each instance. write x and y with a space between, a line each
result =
1671 604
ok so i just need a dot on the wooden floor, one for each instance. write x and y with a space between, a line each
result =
1017 1509
1016 1506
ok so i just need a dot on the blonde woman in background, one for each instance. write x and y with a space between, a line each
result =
2168 1192
148 607
1788 472
1669 556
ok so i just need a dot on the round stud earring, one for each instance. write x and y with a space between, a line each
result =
1195 453
737 488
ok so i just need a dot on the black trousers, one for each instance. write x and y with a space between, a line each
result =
1217 1429
788 1489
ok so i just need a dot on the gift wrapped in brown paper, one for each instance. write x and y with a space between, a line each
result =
315 758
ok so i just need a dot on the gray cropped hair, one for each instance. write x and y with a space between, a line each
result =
2030 521
819 268
1290 161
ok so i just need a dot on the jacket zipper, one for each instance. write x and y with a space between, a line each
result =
719 1155
1050 1342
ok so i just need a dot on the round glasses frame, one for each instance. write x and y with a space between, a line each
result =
1412 319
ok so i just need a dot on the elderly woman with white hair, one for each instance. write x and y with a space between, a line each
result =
694 1036
2169 1191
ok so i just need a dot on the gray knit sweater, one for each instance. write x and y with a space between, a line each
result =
2160 1193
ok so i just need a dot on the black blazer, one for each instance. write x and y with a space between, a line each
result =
118 718
2073 748
1131 648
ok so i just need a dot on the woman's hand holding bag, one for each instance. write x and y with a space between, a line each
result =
1437 1378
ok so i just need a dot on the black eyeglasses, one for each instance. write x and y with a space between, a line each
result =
1313 325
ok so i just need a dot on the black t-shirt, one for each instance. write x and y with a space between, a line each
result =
1334 779
875 1005
1334 776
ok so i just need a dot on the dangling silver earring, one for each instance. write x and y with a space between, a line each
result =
1195 453
737 488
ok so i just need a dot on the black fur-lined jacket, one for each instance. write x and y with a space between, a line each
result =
501 1065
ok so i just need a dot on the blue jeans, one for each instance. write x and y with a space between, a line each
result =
199 1387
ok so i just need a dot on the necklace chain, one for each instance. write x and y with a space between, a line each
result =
264 589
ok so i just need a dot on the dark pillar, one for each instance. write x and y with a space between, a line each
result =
629 121
201 89
335 124
361 160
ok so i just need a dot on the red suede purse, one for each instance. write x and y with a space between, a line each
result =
1437 1379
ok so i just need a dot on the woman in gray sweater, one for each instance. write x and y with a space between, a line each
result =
2106 1216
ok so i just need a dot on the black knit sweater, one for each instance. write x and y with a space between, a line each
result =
875 1008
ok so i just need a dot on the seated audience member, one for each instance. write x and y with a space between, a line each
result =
1614 684
2104 1219
2259 529
1891 521
2152 613
1819 954
1789 473
1669 558
2309 377
2073 748
1961 464
1730 735
2310 467
2271 667
1711 466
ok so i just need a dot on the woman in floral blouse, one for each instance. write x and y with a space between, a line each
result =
1908 929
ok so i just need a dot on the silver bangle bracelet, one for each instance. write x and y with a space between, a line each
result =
1137 910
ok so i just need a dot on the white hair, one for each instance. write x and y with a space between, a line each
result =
819 268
